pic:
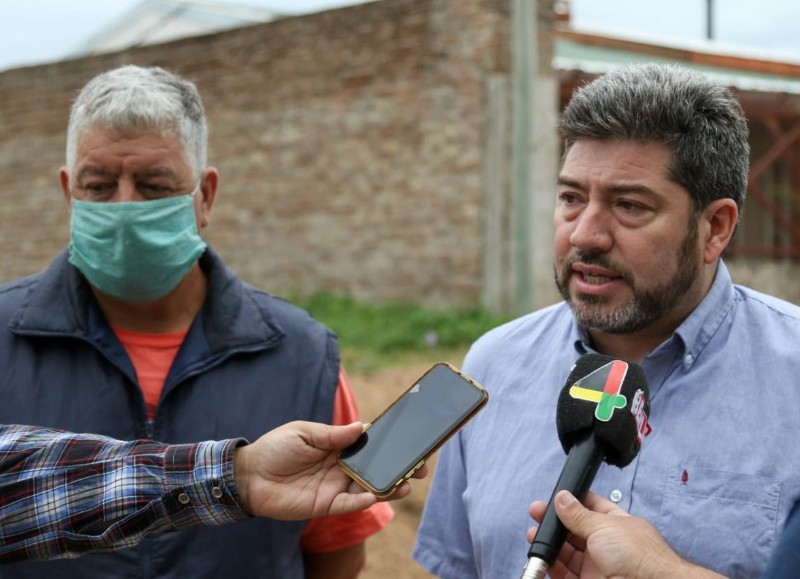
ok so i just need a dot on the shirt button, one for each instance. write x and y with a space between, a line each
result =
216 492
183 499
615 496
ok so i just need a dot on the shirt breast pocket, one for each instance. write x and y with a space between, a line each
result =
723 520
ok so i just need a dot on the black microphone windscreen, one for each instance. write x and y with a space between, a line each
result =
611 398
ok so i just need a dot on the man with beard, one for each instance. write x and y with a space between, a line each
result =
652 182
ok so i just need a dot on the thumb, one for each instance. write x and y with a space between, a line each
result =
325 437
344 436
577 518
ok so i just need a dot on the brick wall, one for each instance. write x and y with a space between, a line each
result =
349 144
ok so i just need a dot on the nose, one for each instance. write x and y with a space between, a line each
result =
592 229
126 191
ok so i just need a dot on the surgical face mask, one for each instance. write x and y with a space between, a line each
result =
135 251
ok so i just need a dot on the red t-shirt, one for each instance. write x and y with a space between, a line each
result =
152 356
336 532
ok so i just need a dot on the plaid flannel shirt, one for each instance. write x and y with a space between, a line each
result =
62 494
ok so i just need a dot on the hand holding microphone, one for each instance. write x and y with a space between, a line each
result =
613 543
601 416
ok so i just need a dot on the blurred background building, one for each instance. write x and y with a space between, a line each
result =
389 150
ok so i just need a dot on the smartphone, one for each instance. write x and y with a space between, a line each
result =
397 443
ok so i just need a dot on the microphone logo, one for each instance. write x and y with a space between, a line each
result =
643 427
603 387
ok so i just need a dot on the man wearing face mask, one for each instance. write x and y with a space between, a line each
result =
138 331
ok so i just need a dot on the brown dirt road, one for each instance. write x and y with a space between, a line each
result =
389 552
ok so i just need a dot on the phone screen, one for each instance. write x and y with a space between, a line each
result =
413 427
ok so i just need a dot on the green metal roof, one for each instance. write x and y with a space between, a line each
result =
575 56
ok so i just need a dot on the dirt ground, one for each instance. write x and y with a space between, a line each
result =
389 552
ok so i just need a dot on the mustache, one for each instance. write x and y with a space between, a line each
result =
590 258
595 258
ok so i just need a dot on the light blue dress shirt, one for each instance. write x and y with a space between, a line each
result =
717 476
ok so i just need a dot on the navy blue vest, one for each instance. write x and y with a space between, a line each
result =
250 362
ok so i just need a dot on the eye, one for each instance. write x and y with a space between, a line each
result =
631 207
633 212
99 190
568 198
569 204
155 190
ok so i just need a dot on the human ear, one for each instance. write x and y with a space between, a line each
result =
717 225
63 177
208 192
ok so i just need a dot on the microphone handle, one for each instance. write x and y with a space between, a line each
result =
579 471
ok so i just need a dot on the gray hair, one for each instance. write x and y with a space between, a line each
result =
702 124
132 98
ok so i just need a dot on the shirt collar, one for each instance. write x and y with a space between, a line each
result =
697 330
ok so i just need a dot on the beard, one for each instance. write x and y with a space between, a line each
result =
646 305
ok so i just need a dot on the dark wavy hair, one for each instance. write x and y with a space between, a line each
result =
701 122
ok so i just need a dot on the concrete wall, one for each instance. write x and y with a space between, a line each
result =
777 277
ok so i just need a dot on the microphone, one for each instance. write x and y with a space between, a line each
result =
601 416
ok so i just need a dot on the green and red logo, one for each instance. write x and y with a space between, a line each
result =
603 387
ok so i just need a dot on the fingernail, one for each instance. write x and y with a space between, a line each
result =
565 499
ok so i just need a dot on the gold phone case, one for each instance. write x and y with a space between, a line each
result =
453 429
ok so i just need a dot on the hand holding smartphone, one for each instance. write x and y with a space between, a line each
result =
413 427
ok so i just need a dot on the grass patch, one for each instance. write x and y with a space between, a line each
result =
375 336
